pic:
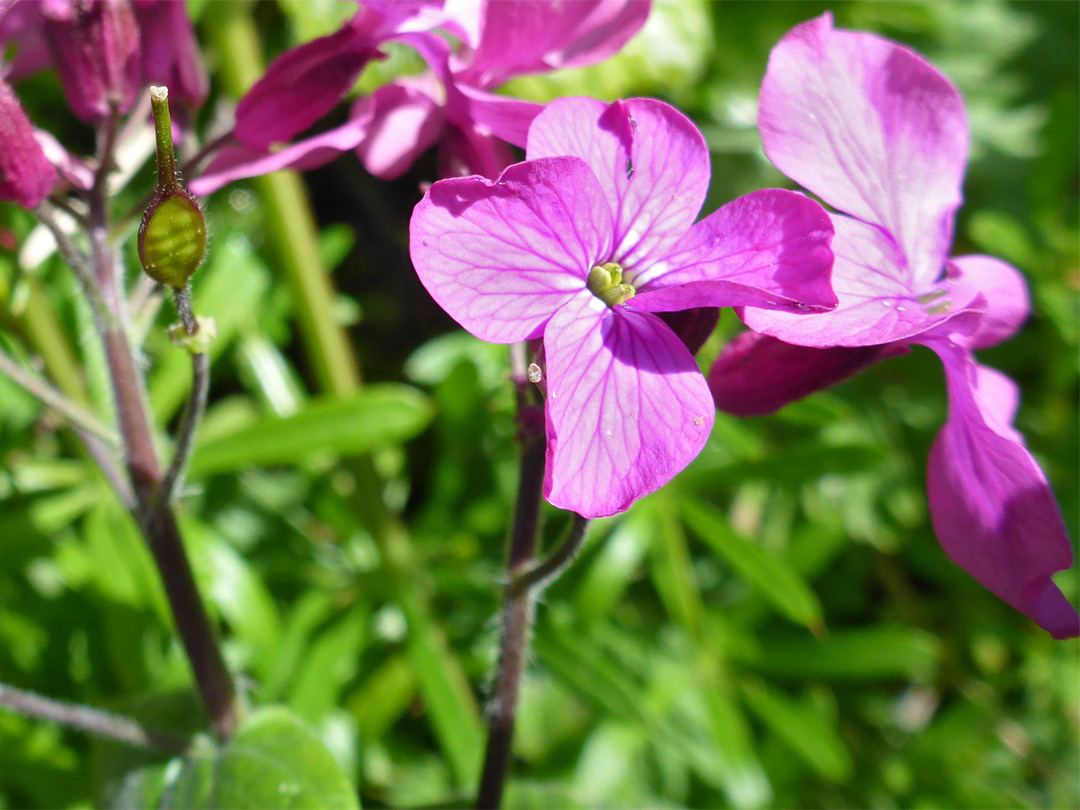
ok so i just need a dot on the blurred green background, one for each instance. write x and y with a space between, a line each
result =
776 628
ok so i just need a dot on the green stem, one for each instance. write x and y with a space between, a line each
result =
166 159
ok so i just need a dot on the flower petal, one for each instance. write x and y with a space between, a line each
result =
877 305
533 36
501 256
26 175
627 408
990 504
767 249
1007 301
508 118
238 162
757 375
170 52
400 122
651 162
302 85
874 130
692 326
466 150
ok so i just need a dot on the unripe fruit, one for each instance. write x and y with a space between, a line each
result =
172 239
172 236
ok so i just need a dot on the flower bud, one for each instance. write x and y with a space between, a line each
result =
172 236
26 175
95 48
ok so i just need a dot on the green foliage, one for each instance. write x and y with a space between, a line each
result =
777 628
273 761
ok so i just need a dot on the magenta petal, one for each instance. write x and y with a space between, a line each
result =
651 162
990 504
767 249
26 175
627 408
877 305
466 150
74 170
95 50
874 130
532 36
505 117
757 375
170 52
399 122
236 163
301 86
501 256
1007 301
692 326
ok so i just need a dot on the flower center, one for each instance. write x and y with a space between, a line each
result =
606 283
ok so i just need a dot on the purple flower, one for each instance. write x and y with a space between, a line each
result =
451 104
581 245
26 175
170 52
95 48
880 134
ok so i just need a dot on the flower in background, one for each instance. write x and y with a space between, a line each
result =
581 245
879 133
26 175
105 50
170 52
451 104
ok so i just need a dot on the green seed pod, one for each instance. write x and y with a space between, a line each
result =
172 239
172 236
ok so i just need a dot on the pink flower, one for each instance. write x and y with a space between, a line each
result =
879 133
581 245
95 48
170 52
451 104
26 175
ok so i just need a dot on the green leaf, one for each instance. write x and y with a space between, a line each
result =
803 728
455 717
377 416
773 577
274 761
864 654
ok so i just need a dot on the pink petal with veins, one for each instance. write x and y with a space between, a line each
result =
767 249
873 129
650 159
501 256
877 304
627 407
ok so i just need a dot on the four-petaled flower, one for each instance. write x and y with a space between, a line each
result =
879 133
581 244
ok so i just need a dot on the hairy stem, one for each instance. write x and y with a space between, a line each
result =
539 576
193 411
140 457
518 604
92 721
74 413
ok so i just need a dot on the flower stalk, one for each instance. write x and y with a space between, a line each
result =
156 517
92 721
526 579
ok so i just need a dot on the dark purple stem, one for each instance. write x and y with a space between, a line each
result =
517 605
